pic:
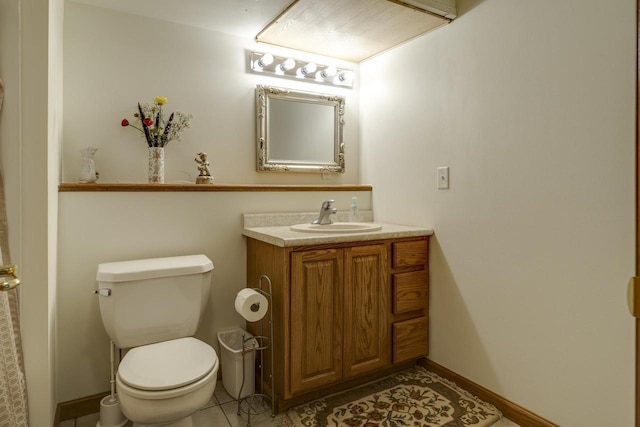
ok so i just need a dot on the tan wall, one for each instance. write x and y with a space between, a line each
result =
106 227
113 60
29 140
531 105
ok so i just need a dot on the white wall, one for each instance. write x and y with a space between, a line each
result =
9 129
53 145
112 61
31 37
531 105
104 227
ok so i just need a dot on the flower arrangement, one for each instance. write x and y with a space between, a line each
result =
157 130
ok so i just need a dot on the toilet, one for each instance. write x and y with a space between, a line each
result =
153 308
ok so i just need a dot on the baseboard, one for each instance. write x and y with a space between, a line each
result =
78 408
510 410
84 406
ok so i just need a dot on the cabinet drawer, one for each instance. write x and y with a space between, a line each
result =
409 254
410 339
410 291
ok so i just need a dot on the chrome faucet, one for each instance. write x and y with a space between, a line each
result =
325 213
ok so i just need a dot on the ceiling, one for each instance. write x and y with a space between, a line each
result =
353 30
243 18
347 29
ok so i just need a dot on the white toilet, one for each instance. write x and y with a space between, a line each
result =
153 307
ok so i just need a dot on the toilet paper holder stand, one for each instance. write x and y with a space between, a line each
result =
260 343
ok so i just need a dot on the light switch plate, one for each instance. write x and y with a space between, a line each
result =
443 178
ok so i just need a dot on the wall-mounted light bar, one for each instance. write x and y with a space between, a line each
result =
277 66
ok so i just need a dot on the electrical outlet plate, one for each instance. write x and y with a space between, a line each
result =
443 178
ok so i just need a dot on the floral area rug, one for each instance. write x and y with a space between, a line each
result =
412 398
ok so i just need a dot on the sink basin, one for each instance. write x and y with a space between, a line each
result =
338 227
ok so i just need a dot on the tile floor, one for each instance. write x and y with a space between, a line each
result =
222 412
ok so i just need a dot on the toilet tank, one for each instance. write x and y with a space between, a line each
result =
153 300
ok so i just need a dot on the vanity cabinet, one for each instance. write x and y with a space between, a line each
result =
343 312
337 314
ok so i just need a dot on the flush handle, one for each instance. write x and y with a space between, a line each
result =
103 292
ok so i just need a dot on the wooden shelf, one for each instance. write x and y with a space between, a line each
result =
120 187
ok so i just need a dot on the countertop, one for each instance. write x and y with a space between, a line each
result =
283 236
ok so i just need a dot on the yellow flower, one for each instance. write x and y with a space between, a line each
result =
160 100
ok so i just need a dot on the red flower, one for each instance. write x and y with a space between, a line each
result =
147 122
125 122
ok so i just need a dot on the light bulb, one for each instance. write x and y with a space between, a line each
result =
303 72
311 67
330 71
267 59
287 65
345 76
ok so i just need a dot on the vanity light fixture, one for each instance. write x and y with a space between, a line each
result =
276 66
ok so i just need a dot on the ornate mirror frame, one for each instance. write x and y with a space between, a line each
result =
264 94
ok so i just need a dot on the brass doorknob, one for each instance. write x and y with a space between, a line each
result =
9 276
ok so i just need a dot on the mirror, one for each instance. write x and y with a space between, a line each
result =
299 131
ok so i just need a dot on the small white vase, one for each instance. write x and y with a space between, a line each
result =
156 165
88 170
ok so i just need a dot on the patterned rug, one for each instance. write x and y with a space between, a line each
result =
413 398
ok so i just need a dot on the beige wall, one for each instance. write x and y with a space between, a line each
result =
31 37
531 105
112 61
9 129
105 227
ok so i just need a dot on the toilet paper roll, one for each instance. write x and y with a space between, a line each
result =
251 305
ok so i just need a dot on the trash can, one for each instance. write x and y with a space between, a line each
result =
232 362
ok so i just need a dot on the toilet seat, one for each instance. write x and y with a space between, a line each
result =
146 395
167 365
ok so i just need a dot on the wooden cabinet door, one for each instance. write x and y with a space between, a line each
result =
316 318
367 344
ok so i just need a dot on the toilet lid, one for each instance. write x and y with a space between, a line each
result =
167 365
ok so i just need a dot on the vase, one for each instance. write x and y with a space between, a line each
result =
156 165
88 172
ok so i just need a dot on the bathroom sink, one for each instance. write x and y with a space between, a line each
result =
338 227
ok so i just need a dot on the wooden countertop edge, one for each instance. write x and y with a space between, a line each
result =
125 187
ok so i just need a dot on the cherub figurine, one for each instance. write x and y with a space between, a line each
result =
203 167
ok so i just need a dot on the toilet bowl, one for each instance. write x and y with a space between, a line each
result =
153 308
152 394
165 383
